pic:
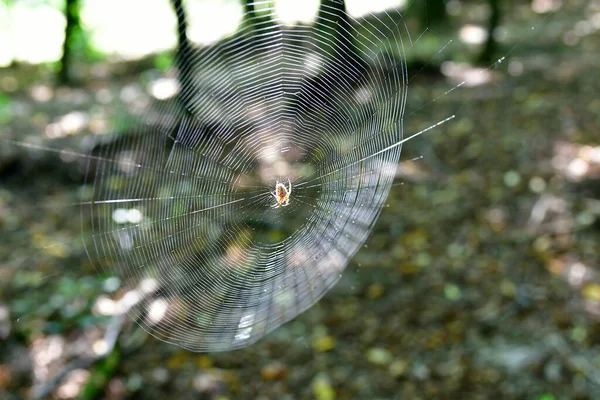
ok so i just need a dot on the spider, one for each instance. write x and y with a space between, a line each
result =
282 194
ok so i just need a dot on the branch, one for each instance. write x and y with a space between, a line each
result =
111 335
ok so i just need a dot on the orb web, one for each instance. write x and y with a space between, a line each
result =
184 202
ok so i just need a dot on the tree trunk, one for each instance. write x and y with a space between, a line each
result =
71 30
253 19
334 22
183 60
489 50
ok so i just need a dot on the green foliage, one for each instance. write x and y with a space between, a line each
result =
6 113
433 13
100 375
163 61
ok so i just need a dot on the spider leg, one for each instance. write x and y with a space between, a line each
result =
289 187
274 194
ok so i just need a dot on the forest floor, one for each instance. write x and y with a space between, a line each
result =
480 279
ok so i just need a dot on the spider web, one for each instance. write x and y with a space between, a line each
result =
185 204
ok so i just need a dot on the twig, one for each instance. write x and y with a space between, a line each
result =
546 203
111 335
577 360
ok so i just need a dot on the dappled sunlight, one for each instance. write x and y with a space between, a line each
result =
41 93
157 311
130 29
6 50
123 216
36 33
413 171
361 8
73 384
313 64
211 20
473 34
483 254
577 163
466 74
244 329
106 306
5 324
545 6
69 124
164 88
136 28
45 352
291 12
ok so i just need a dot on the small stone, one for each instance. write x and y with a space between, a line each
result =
375 291
275 370
423 259
452 292
586 218
409 268
591 291
324 343
5 325
512 178
134 383
322 388
513 358
5 376
204 383
398 368
160 375
420 371
537 184
553 371
176 360
578 333
379 356
507 288
204 362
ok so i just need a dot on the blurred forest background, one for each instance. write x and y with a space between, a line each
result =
479 281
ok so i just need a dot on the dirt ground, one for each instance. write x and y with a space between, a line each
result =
479 281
